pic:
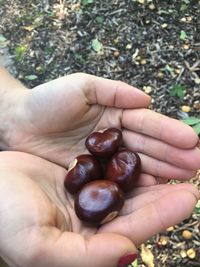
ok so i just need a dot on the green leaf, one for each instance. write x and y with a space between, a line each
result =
96 45
197 128
87 2
2 38
183 35
19 51
100 19
180 93
31 77
135 264
3 41
197 208
183 7
79 58
178 90
191 120
186 1
172 93
168 69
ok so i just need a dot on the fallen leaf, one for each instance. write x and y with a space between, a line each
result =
96 45
28 28
3 41
197 80
31 77
147 256
183 35
163 241
2 38
135 264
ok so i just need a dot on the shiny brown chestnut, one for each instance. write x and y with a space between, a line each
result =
104 143
99 202
124 169
83 169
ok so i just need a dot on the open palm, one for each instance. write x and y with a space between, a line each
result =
54 119
38 226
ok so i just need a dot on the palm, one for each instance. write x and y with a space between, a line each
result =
33 204
57 117
67 118
34 208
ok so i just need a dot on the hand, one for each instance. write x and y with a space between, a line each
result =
53 120
38 226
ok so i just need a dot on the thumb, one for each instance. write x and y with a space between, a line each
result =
110 250
101 250
113 93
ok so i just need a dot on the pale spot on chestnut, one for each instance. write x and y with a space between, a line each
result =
98 202
85 168
72 165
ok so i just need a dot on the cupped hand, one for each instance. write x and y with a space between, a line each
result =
53 120
38 225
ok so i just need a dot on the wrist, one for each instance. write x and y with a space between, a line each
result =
11 95
10 112
8 82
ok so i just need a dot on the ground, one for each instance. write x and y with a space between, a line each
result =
154 45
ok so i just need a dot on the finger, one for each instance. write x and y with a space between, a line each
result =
163 169
70 249
154 188
145 180
160 127
113 93
154 217
139 199
187 158
161 180
149 180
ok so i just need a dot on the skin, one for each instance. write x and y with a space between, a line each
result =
38 226
51 122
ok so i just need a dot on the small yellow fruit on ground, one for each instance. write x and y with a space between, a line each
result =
191 253
186 234
185 108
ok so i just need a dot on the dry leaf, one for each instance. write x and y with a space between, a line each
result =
163 241
28 28
147 256
61 15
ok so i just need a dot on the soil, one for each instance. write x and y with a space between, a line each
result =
153 45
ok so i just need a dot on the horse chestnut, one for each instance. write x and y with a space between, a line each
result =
104 144
124 169
85 168
99 202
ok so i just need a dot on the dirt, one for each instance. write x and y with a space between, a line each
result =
154 45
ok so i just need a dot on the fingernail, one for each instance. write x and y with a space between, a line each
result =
126 260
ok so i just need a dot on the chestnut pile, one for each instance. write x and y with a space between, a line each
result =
100 179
